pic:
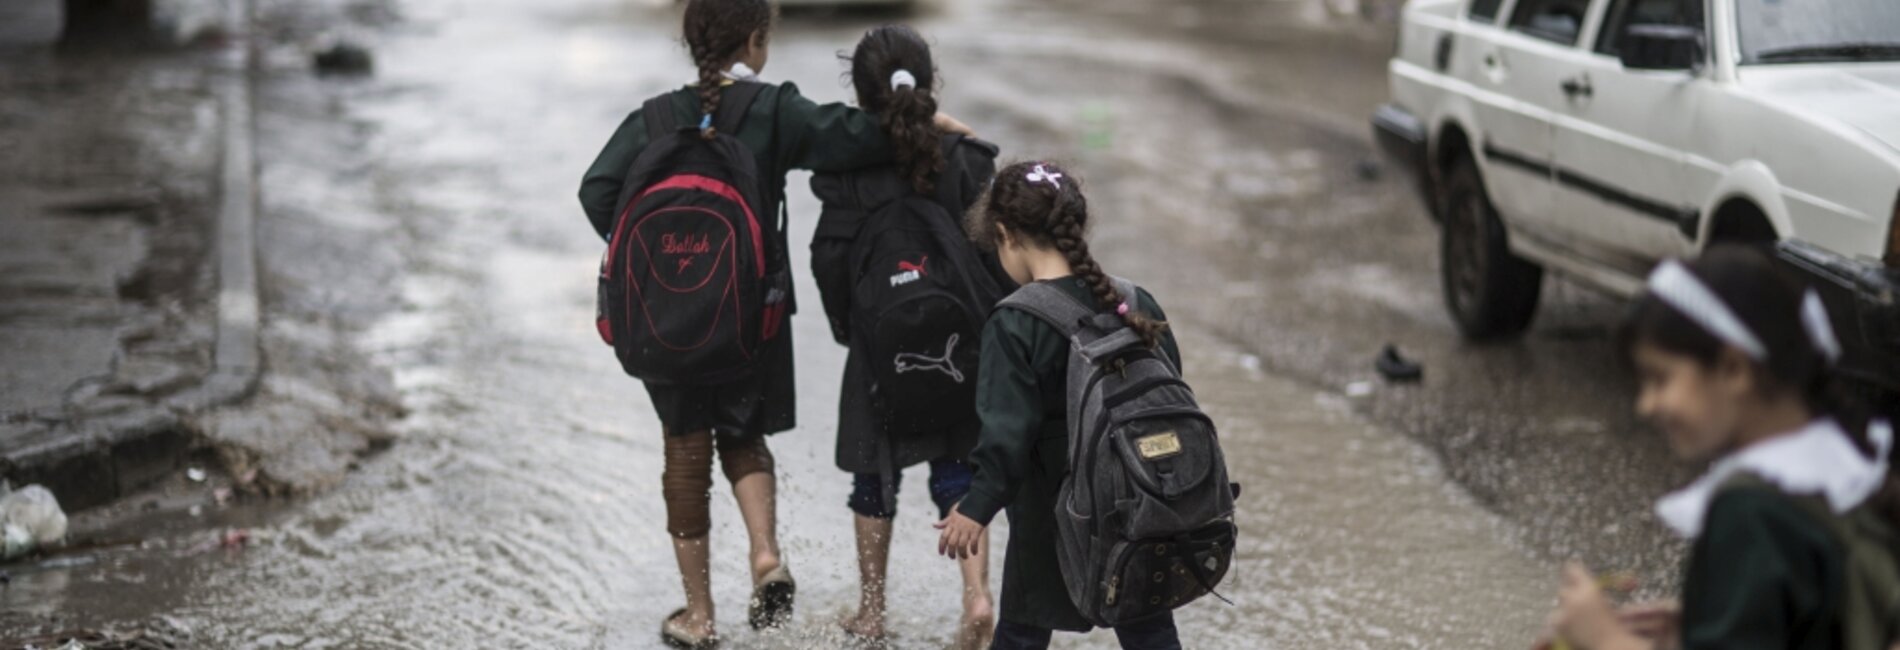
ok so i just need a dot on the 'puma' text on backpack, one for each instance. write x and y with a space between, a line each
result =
1144 520
686 293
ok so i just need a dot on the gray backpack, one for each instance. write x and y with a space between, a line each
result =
1145 517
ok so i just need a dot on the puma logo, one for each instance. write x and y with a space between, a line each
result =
908 272
907 361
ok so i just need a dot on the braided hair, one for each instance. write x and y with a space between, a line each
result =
906 112
716 31
1052 213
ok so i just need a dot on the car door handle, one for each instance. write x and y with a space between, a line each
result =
1576 87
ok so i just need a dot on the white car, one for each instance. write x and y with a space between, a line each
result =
1594 138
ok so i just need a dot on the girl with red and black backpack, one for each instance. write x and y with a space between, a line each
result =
907 292
694 285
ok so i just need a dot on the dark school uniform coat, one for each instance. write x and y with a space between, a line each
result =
847 197
785 131
1021 454
1763 574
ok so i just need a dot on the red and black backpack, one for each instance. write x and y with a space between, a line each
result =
688 293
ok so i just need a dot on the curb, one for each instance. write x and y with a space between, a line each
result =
90 460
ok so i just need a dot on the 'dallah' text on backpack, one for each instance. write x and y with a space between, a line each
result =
686 293
1145 517
919 295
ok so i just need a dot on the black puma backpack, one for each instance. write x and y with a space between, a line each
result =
919 298
686 292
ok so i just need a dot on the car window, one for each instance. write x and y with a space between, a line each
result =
1818 31
1687 13
1485 11
1557 21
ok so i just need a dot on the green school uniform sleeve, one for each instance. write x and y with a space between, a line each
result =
826 137
600 186
1759 577
1009 404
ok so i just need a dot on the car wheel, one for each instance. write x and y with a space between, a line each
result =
1490 292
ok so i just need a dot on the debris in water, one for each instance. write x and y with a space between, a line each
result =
344 58
195 474
1368 170
30 518
1397 368
1359 389
221 495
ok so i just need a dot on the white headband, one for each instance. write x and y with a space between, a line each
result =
902 78
1676 286
1814 318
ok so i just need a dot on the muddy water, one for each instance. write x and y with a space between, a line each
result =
520 507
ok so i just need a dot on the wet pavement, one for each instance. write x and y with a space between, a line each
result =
426 216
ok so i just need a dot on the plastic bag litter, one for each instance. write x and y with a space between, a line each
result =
30 518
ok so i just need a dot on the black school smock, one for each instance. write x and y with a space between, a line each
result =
1021 454
1762 575
846 197
785 131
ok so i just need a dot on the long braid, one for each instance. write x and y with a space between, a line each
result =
1056 216
716 31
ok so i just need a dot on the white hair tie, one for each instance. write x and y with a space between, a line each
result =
1820 330
902 79
1676 286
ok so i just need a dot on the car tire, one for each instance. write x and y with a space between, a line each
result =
1490 292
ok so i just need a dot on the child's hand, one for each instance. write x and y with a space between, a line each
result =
1584 616
960 535
1660 622
948 124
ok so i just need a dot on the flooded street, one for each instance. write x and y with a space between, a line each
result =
429 212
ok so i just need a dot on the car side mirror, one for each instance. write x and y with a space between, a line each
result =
1661 47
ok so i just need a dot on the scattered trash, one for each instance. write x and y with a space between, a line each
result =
30 518
195 474
1368 170
221 495
6 578
1359 389
1397 368
248 477
197 511
1098 126
231 539
344 58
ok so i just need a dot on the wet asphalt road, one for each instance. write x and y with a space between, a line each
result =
1222 146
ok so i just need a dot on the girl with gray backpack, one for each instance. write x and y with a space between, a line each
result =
1117 494
1793 527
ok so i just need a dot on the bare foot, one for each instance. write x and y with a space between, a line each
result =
691 626
869 627
978 624
764 563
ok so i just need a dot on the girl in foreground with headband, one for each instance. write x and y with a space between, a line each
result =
1735 364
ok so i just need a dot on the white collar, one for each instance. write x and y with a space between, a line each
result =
1817 459
741 72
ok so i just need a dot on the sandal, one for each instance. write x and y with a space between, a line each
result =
772 600
675 636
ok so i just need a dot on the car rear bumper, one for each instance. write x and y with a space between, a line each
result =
1402 137
1863 298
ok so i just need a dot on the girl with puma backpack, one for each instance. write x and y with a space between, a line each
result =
908 293
695 285
1089 439
1793 526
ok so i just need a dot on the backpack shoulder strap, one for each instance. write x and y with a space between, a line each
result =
950 181
660 117
735 102
1050 304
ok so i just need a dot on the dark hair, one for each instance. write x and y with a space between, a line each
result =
1768 301
1056 215
907 114
715 32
